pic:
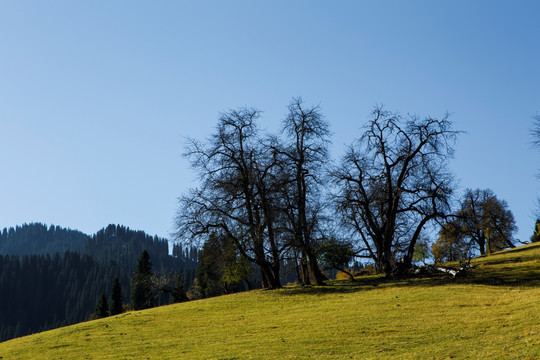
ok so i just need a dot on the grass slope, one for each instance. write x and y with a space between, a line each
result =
493 313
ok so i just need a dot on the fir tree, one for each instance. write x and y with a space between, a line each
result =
142 294
102 309
116 298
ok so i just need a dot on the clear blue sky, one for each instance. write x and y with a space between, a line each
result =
96 96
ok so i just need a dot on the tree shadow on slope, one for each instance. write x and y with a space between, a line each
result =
527 252
523 271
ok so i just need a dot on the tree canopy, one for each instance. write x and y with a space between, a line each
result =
482 222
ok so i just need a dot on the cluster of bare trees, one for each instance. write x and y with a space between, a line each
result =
261 191
277 199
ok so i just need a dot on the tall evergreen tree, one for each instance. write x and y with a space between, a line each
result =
142 295
116 298
102 308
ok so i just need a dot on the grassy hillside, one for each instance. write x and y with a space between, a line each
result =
492 313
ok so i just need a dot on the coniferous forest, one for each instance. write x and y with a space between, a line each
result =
52 276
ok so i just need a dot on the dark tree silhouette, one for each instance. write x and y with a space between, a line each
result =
237 195
102 308
392 182
142 295
116 298
304 154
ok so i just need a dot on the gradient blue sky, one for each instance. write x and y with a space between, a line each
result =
96 96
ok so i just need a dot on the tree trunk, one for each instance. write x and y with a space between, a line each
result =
317 273
482 246
387 257
265 282
276 271
306 280
347 272
270 280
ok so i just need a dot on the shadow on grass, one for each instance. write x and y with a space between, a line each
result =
526 276
366 283
523 253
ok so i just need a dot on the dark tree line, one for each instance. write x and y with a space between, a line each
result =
41 292
37 238
124 246
113 243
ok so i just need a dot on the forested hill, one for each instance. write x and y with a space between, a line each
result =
52 276
37 238
113 243
124 246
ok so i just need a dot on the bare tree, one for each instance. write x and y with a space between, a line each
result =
304 153
392 182
238 188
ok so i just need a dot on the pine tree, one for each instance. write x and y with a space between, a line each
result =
102 309
116 298
142 295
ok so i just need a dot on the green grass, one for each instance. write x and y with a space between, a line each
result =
492 313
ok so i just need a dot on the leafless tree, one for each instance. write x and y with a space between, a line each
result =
237 193
392 182
304 153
